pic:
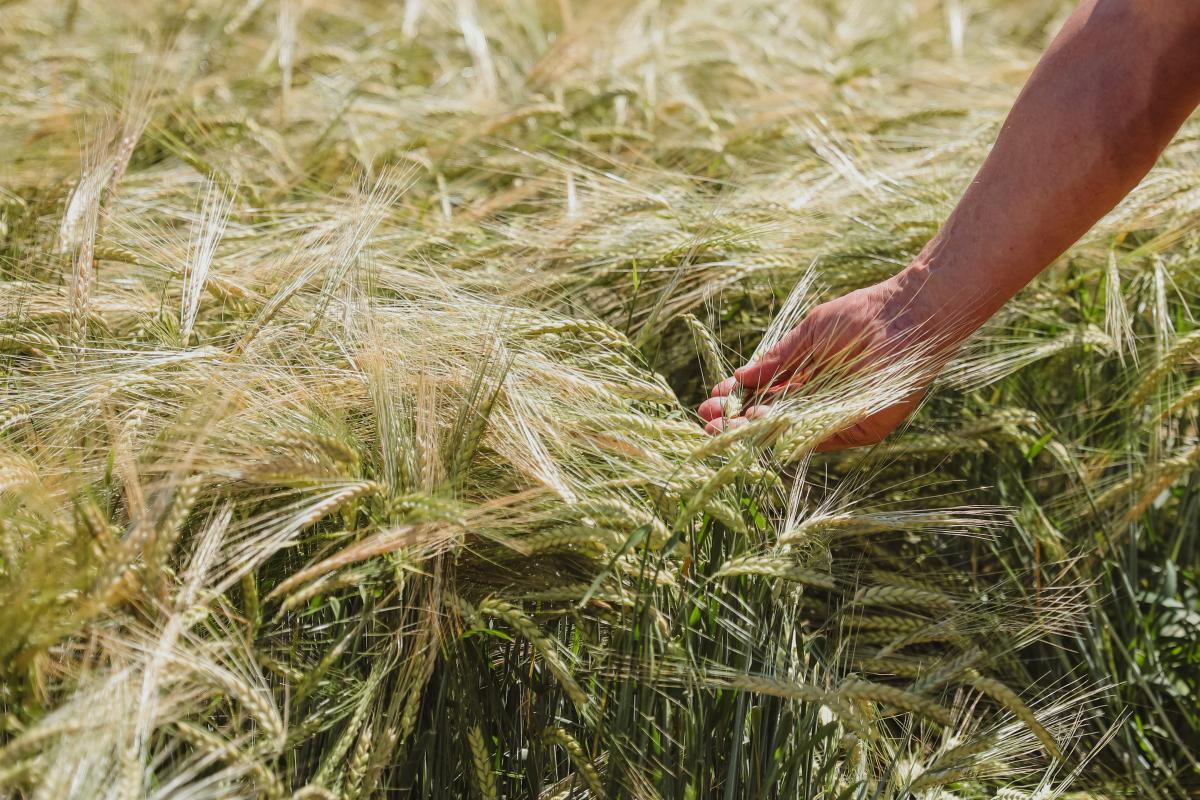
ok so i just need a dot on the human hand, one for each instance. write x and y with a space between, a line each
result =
865 329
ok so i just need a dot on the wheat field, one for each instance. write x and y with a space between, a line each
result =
349 355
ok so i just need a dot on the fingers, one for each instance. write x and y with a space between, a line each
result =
721 424
718 424
725 387
779 361
712 408
756 412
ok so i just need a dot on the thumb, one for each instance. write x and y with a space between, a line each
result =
778 361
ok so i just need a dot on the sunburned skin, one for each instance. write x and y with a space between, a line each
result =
1113 88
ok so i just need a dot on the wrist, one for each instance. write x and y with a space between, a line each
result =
931 305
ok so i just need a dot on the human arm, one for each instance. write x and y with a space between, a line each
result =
1114 86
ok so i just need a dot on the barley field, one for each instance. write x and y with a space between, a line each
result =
349 354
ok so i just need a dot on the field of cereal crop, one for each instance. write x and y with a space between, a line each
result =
348 359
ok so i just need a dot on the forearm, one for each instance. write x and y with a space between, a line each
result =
1106 98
